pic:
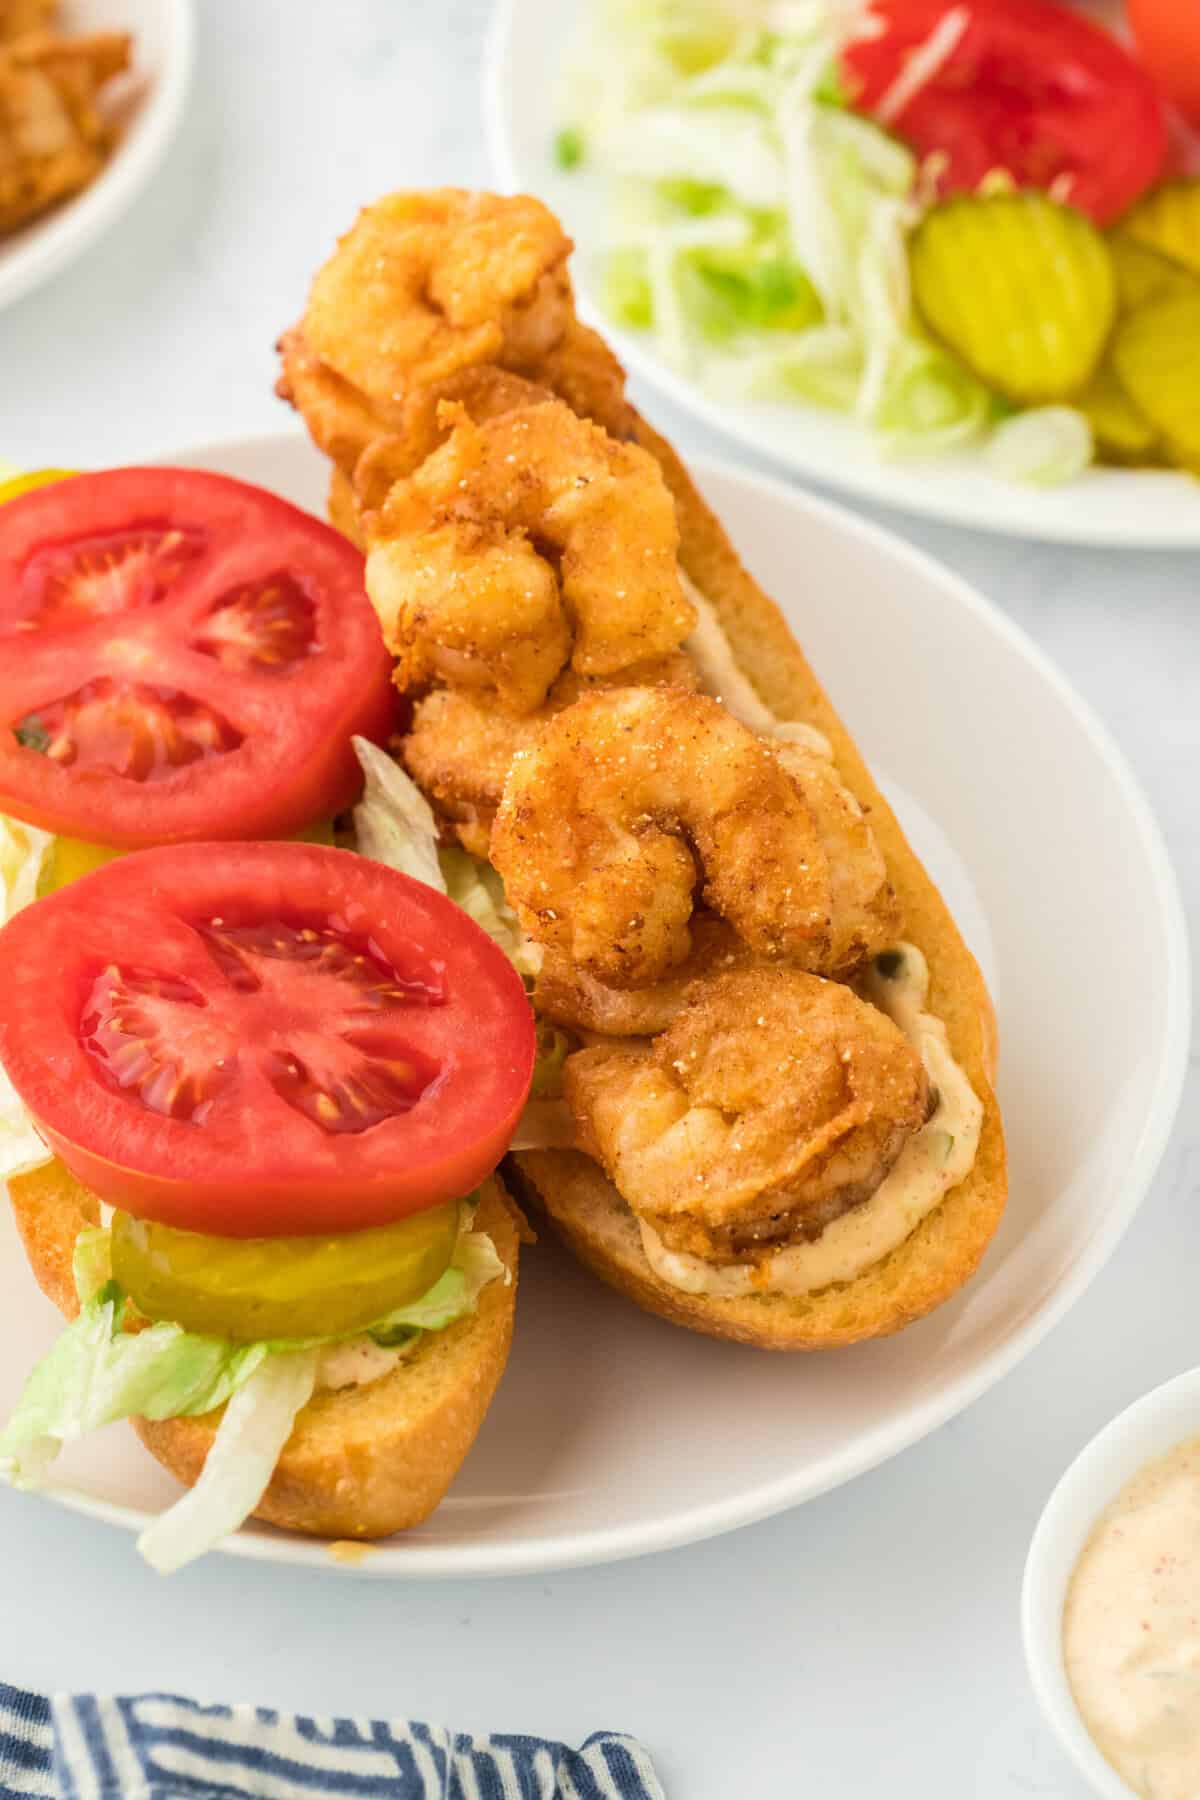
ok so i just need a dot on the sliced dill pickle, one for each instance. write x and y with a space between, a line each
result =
1144 275
69 858
1122 433
1156 355
248 1289
13 485
1168 220
1020 288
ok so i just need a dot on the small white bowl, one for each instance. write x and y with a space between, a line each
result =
1166 1416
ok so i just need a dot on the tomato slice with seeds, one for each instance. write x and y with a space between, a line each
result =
1027 86
265 1039
182 656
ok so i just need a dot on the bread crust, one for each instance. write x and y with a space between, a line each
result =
362 1462
944 1251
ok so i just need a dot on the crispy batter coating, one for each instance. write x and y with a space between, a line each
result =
631 802
377 443
460 747
774 1102
18 17
523 544
865 911
53 139
567 995
424 290
427 283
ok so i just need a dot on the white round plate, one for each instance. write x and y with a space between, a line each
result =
613 1433
1146 508
147 102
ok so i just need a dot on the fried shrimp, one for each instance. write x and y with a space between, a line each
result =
774 1103
423 291
424 284
377 443
866 916
523 544
631 804
459 748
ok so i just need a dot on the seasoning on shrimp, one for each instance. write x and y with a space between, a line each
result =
461 743
773 1103
632 800
522 545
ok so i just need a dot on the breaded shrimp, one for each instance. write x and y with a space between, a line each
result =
567 995
423 288
634 803
459 748
773 1103
426 283
865 911
523 544
375 444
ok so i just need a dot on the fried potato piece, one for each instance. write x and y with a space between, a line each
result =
774 1102
631 801
53 138
522 545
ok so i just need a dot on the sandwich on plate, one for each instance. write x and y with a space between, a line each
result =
252 1093
768 1114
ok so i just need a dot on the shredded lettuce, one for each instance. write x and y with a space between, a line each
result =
553 1048
1045 446
98 1372
394 824
454 1295
23 853
758 228
257 1424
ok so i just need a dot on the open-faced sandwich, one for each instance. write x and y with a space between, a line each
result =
252 1094
774 1118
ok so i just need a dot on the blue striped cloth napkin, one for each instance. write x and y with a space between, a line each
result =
157 1747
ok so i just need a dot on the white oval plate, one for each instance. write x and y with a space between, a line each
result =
615 1434
1145 508
147 102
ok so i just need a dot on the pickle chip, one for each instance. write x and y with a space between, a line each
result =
250 1289
1020 288
1168 220
1122 434
1156 355
1144 274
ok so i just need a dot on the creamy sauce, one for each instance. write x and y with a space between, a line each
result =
934 1160
349 1551
721 678
355 1363
1131 1629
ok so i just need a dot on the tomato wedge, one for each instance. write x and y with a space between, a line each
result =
182 656
1026 86
259 1040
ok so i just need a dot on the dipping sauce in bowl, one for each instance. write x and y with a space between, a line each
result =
1131 1628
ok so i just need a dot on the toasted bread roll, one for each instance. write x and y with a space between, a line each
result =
945 1249
362 1462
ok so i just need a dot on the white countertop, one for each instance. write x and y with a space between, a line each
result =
869 1641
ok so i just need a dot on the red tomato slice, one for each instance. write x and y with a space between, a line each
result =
1024 86
255 1040
181 656
1168 40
